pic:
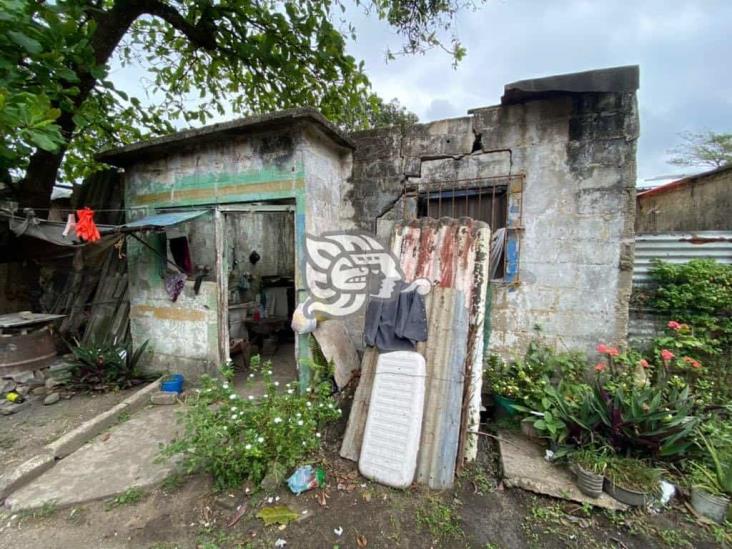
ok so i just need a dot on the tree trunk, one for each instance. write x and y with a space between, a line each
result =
36 187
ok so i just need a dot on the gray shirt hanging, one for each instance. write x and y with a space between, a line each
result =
396 324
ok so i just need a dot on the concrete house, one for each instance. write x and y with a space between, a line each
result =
553 166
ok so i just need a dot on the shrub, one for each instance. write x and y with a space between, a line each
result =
236 439
106 366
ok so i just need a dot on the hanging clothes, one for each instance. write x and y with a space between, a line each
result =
86 229
174 284
396 324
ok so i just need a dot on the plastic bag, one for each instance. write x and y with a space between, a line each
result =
306 478
300 323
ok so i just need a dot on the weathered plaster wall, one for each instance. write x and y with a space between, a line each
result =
702 204
259 166
573 207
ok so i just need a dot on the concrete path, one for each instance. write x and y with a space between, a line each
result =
123 457
524 467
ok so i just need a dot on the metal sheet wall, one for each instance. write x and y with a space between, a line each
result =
679 248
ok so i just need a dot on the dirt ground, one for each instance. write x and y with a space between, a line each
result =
24 433
185 512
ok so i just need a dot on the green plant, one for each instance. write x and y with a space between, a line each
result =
715 478
591 459
128 497
106 366
441 519
236 439
633 474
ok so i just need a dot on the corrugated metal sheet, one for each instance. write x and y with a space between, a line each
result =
160 221
453 254
679 248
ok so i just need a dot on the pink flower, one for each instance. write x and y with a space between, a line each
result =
602 348
666 355
643 362
612 351
673 325
600 367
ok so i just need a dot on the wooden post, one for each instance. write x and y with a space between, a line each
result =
222 282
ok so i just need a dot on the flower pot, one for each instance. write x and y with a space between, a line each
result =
626 495
505 405
589 483
709 505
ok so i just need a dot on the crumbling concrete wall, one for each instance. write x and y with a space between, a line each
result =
292 164
699 203
573 205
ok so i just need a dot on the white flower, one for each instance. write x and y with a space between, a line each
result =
276 383
308 390
304 443
298 414
233 416
251 397
232 396
251 375
338 531
225 386
317 435
269 372
300 422
233 408
339 411
278 420
290 391
280 543
260 439
308 404
247 446
330 405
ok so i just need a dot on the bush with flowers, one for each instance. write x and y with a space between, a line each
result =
237 439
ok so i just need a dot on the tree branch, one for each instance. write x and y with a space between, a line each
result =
202 34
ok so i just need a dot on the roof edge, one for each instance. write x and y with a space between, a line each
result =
673 185
122 156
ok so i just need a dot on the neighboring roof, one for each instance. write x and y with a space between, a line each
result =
125 155
611 80
161 221
683 182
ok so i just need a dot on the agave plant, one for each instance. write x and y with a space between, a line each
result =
105 365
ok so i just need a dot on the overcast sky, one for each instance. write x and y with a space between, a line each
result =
683 47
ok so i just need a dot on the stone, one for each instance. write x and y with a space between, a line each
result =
9 408
53 382
524 467
23 389
25 472
6 385
164 397
38 391
53 398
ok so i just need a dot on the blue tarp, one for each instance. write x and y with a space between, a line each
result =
163 220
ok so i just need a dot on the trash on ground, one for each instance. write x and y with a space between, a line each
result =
306 478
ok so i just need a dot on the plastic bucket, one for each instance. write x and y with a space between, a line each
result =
172 384
709 505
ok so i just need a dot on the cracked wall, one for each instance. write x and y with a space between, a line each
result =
575 156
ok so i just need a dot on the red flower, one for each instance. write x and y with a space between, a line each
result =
643 362
605 350
666 355
600 367
692 362
673 325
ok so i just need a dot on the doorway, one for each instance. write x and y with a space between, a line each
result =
259 278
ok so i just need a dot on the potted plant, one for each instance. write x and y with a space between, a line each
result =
589 466
711 486
631 481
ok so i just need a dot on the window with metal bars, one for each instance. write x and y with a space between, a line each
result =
483 203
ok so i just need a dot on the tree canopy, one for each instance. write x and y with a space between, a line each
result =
708 149
59 104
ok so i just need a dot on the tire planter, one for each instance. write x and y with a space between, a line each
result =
626 495
709 505
589 483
